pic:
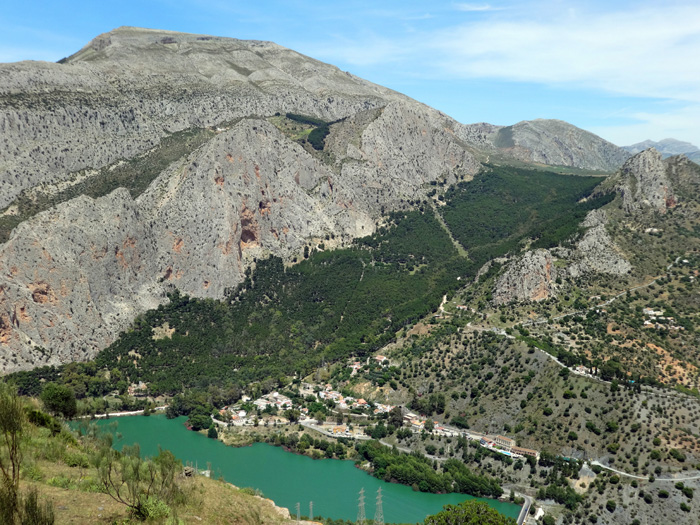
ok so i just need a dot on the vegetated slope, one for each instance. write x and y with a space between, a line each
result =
641 323
283 321
487 383
62 467
547 141
196 129
491 214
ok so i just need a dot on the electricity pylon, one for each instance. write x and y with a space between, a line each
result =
361 508
379 513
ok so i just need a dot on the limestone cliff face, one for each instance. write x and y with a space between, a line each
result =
528 278
532 276
71 278
127 89
645 184
596 252
75 275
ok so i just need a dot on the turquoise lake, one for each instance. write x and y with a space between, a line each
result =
287 478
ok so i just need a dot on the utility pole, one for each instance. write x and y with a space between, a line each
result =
298 512
379 513
311 510
361 509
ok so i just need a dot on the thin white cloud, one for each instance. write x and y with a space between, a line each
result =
471 8
644 51
426 16
652 52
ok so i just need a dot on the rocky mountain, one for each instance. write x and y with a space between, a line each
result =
75 275
667 148
647 184
79 265
546 141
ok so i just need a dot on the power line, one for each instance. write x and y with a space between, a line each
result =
379 513
361 508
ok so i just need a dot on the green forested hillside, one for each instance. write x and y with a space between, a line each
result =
491 214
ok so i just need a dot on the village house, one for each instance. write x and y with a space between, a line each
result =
137 390
498 441
525 452
273 399
382 409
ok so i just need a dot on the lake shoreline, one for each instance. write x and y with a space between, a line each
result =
288 479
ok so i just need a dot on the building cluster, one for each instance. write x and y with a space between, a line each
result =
341 401
356 366
417 424
236 415
380 408
273 399
656 319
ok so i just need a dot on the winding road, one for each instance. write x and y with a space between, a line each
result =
644 478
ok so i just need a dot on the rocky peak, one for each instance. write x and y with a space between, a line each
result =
645 184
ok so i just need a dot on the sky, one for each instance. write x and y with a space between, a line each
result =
625 70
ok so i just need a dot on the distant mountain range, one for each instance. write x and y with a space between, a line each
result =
667 148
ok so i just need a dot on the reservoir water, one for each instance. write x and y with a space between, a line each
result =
287 478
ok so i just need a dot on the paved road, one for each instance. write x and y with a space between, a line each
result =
524 511
645 478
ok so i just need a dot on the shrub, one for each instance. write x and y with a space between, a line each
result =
156 509
611 505
59 399
677 455
76 459
61 482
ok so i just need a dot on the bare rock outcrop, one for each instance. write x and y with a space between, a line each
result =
530 277
127 89
533 276
645 184
596 252
75 275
